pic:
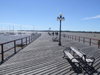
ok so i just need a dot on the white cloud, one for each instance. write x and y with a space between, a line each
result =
98 16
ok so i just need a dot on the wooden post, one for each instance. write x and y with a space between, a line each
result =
98 44
90 43
2 53
79 39
33 38
83 40
75 38
26 40
21 43
29 39
14 46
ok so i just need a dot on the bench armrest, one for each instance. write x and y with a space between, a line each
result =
84 57
92 58
74 60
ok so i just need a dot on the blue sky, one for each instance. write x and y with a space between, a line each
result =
80 15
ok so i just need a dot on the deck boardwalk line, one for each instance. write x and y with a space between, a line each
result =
44 57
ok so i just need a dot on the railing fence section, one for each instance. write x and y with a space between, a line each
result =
16 45
90 41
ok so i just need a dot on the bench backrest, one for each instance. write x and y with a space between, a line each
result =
78 52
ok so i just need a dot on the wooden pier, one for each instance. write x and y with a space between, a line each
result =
45 57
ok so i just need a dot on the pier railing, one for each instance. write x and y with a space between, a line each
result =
15 45
89 41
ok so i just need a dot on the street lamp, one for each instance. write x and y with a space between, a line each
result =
49 30
60 19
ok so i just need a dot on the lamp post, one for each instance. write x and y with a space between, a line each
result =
60 19
49 30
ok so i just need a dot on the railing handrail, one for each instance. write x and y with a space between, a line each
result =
85 37
12 40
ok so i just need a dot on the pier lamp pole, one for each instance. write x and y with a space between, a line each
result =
49 30
60 19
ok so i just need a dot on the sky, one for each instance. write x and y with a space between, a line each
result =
80 15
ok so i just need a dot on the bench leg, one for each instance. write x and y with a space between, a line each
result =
92 64
64 55
79 66
71 69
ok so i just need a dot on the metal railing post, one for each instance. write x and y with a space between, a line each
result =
14 46
98 44
29 39
26 40
68 36
79 39
33 37
2 53
75 38
83 40
21 43
90 43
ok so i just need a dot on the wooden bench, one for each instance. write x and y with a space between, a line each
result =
71 57
83 56
55 39
79 57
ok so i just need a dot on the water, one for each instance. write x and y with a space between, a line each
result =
6 38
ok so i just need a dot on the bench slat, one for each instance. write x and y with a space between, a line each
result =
89 60
81 55
77 52
70 57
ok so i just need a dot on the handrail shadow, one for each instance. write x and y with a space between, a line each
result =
89 69
83 69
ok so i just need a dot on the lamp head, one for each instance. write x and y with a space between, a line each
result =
58 18
63 19
60 14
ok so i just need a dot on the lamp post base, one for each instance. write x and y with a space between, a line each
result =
59 44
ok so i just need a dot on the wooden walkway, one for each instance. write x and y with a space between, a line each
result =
44 57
